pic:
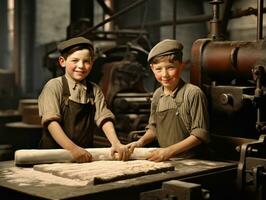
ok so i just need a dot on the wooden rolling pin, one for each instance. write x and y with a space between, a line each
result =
42 156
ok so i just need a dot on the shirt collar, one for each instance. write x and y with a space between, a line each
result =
73 84
174 93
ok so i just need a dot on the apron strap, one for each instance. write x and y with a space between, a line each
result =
65 92
178 98
90 89
65 87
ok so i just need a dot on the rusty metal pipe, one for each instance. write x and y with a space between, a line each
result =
227 60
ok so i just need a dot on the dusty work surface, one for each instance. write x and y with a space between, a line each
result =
34 184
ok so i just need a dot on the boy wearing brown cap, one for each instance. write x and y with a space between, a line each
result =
70 106
178 116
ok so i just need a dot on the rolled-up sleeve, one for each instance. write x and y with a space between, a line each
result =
103 113
49 101
199 115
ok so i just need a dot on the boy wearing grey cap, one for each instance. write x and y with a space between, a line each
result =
71 106
178 116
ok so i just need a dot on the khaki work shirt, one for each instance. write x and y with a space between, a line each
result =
51 99
193 110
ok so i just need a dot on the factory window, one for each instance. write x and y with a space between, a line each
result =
10 23
6 32
108 26
100 15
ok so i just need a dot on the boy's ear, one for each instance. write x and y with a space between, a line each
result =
151 66
62 61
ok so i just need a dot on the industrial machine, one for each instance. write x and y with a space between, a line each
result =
232 74
127 85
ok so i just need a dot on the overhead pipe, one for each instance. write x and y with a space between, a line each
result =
116 15
215 22
198 18
174 19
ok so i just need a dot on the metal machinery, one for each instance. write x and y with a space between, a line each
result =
232 74
123 71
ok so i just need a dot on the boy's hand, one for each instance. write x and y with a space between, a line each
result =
81 155
161 154
131 146
122 151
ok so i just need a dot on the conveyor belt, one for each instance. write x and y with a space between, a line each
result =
185 169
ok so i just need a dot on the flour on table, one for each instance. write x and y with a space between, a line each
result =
29 177
82 174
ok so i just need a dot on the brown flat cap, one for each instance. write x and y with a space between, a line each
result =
165 47
72 42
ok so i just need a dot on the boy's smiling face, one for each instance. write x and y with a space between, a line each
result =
77 65
167 73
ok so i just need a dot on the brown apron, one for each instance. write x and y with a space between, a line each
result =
77 120
170 127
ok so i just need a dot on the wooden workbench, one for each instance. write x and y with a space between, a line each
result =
205 172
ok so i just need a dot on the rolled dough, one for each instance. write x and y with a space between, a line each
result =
42 156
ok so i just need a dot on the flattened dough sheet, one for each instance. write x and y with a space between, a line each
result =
104 171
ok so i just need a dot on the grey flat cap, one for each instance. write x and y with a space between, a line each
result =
72 42
165 47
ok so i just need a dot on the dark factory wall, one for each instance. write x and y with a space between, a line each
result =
41 23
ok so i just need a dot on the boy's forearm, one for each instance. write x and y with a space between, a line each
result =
59 136
147 138
109 131
185 145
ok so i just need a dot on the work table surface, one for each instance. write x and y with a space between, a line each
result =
184 168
